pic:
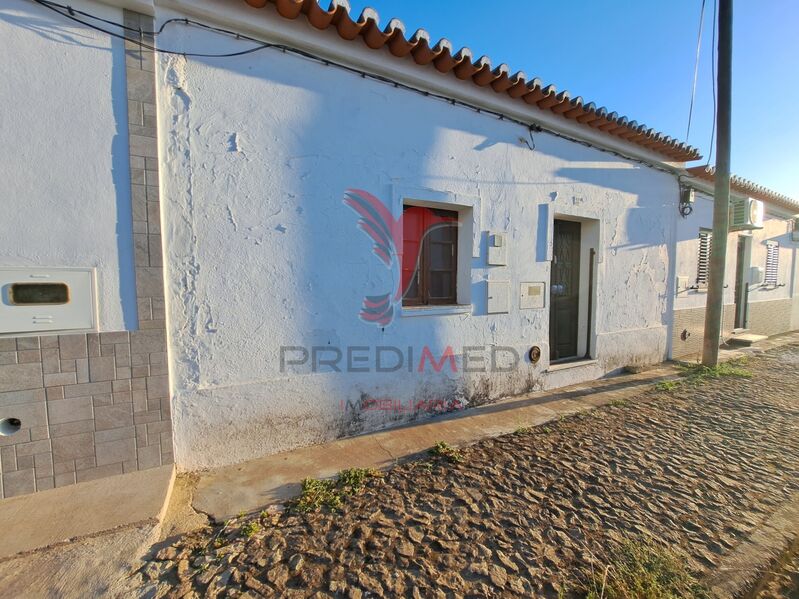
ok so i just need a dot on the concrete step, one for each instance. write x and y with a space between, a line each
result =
746 339
42 519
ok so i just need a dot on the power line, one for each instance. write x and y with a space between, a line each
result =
696 69
75 15
70 13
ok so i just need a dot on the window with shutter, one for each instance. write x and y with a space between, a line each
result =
772 263
430 256
703 264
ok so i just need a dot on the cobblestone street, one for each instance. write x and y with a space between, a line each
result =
695 468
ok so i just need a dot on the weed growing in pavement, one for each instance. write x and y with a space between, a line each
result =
317 493
619 403
331 493
640 569
668 385
523 429
447 451
352 480
696 374
250 528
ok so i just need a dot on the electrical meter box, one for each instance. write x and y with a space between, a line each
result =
532 296
36 300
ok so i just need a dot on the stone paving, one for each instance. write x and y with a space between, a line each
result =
784 582
697 469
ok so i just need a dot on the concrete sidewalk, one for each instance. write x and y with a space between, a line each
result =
228 491
77 511
247 487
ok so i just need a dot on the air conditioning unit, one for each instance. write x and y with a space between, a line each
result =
795 229
746 214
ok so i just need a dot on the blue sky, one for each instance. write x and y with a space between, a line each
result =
637 57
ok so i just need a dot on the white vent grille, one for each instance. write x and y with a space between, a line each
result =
772 263
703 264
739 212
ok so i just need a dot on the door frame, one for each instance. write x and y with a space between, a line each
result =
591 259
573 281
743 256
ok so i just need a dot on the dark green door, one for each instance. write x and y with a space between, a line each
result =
740 285
564 290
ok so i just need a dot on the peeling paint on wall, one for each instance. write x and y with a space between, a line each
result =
263 253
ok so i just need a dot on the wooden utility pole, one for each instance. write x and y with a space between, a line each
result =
721 192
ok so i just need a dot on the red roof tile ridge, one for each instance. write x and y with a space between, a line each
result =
443 57
745 186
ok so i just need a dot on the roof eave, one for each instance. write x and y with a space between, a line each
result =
399 57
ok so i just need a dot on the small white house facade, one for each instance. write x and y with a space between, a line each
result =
264 160
295 225
761 291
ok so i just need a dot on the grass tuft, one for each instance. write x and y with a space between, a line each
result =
317 493
668 385
697 374
447 451
352 480
640 569
250 528
331 493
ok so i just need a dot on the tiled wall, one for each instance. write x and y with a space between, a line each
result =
97 404
764 318
770 317
692 320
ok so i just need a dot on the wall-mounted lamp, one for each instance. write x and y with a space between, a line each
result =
687 199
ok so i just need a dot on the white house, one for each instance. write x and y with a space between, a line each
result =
761 292
325 225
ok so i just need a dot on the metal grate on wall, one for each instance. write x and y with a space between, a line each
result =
703 263
772 263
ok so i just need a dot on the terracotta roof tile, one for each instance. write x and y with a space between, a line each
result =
748 188
445 59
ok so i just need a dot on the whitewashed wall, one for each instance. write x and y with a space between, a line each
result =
687 254
257 153
63 151
775 227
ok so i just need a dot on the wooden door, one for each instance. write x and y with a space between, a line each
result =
564 290
740 285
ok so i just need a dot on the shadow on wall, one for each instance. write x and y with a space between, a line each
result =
290 266
303 265
55 29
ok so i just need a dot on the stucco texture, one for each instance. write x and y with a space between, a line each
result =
65 165
262 252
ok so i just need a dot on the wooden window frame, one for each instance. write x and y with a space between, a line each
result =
424 267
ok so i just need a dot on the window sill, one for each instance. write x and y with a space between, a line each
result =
436 310
571 364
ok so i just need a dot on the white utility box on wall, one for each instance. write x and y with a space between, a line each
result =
531 296
756 275
498 296
46 299
497 249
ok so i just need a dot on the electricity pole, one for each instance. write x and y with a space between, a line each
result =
721 192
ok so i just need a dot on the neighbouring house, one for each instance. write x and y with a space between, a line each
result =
289 225
761 286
